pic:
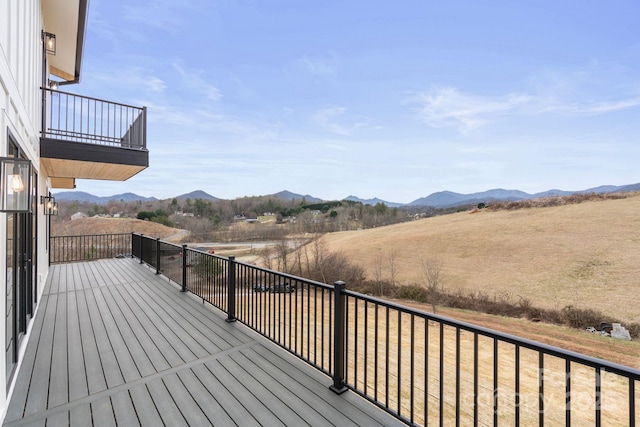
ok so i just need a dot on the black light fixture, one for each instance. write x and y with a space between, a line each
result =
15 177
50 205
49 42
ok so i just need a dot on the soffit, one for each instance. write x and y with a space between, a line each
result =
67 20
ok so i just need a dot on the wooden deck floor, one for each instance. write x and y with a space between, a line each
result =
114 344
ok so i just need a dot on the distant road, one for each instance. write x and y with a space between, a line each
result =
178 236
255 245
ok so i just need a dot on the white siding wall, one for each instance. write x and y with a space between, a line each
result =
20 81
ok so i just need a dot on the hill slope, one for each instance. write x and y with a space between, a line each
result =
87 226
586 255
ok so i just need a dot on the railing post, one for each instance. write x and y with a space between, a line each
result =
157 255
144 127
184 269
231 290
141 246
338 338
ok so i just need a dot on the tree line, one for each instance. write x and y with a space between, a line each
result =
213 220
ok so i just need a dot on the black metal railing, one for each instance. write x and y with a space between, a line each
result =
88 247
422 368
77 118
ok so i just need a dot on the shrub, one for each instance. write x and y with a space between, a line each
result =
505 305
634 330
581 318
413 293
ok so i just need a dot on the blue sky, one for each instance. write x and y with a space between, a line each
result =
394 100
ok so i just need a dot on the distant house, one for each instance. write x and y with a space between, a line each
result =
78 215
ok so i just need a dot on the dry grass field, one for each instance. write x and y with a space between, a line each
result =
586 255
87 226
415 361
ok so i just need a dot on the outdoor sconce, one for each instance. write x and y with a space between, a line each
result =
49 42
52 84
15 185
50 205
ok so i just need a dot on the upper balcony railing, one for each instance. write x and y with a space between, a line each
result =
76 118
422 368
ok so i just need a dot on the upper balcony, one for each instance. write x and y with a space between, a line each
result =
90 138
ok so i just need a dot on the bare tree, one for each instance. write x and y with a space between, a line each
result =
432 274
392 266
377 273
282 250
267 257
319 254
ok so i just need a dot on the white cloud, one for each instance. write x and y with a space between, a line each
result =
132 77
193 79
160 14
318 65
447 107
596 108
336 120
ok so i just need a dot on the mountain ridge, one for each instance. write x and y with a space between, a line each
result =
440 199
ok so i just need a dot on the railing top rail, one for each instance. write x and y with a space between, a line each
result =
512 339
91 98
255 267
171 244
93 235
275 272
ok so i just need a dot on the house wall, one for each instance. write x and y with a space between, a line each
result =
20 113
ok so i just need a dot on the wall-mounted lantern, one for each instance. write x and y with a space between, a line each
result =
49 42
15 185
50 205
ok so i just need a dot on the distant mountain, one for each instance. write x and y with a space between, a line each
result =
631 187
198 194
288 195
81 196
441 199
373 201
445 199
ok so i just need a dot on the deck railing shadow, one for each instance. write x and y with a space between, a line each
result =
420 367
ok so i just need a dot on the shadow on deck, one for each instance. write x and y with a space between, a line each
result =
114 344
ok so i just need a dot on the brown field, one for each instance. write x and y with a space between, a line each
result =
87 226
381 365
586 255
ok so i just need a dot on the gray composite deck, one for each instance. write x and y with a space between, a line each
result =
114 344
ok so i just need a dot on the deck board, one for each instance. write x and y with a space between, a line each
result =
80 416
110 368
114 344
123 409
146 410
59 376
77 374
92 358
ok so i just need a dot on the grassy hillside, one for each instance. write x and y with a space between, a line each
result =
112 226
586 255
